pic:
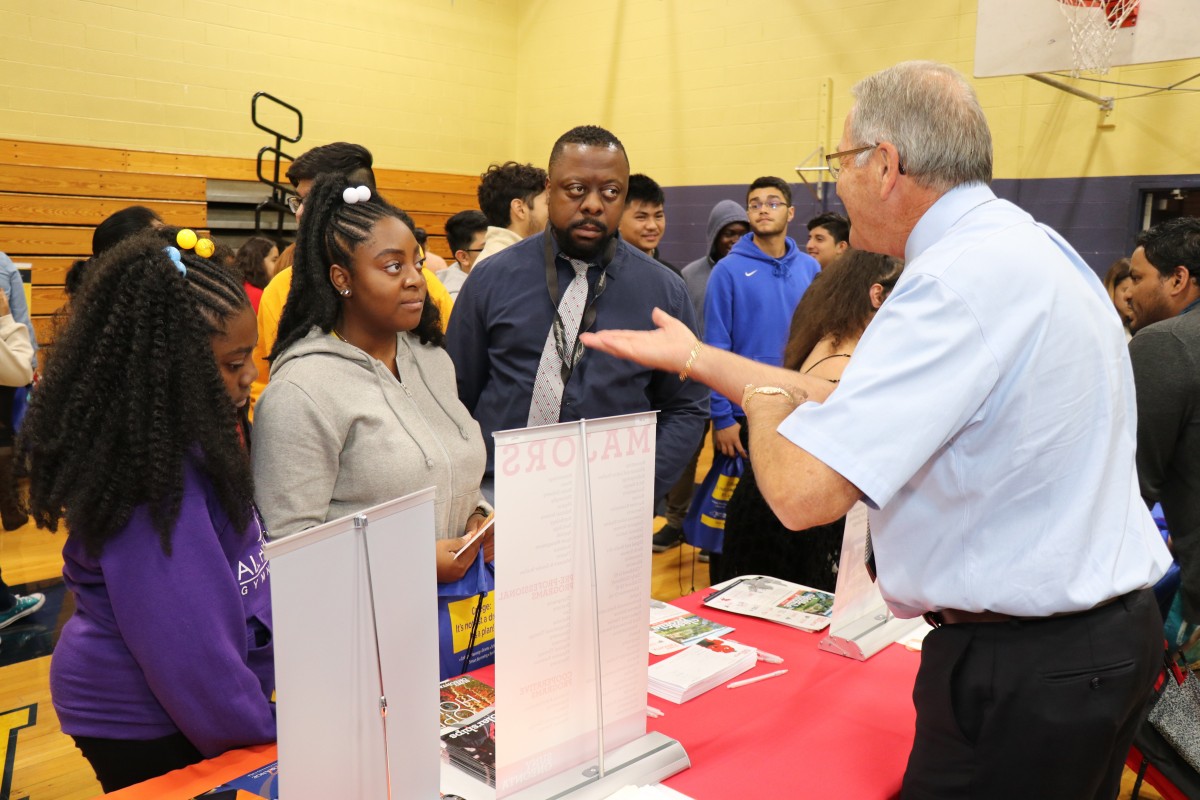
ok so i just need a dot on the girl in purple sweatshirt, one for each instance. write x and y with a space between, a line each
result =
136 443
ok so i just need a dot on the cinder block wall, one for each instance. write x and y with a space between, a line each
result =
426 84
706 94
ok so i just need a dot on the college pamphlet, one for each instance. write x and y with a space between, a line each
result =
672 628
699 667
776 600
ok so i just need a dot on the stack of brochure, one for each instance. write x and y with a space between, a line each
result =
700 667
472 746
468 718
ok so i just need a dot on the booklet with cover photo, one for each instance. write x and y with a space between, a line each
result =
672 628
776 600
462 698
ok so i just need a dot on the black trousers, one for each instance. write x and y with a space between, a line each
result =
7 598
1033 709
123 762
679 498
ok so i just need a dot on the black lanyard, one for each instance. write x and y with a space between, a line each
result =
569 360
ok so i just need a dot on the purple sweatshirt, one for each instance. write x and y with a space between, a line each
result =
164 644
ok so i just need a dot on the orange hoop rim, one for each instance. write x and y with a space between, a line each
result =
1110 10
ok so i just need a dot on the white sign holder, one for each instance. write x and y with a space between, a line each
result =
861 624
571 670
354 603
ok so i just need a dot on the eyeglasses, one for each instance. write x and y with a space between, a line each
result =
834 160
774 205
294 202
472 249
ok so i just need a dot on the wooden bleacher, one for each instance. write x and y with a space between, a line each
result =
53 195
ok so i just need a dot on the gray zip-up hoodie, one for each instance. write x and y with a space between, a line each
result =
697 273
335 432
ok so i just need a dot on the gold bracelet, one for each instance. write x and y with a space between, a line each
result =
751 390
687 367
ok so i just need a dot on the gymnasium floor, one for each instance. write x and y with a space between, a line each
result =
40 763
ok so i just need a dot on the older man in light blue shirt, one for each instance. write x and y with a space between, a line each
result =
991 401
987 418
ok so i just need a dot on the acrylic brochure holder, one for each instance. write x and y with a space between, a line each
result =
861 624
576 503
356 654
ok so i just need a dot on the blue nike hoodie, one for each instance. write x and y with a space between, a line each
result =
748 307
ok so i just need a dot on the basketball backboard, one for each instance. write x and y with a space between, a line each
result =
1017 37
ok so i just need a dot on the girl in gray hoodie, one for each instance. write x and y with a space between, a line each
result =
362 407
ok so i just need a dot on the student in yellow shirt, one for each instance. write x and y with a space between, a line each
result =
354 160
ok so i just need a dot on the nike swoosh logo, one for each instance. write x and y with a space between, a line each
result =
748 274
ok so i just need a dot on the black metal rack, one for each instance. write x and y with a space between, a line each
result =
277 202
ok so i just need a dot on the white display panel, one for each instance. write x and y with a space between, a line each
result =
328 669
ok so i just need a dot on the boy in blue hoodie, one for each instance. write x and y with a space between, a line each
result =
752 295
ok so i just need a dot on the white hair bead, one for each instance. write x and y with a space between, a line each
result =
356 194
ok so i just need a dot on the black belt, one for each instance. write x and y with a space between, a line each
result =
953 616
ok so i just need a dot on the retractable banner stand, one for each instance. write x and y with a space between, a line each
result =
861 624
356 654
576 504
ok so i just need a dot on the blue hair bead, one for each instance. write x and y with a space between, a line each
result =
176 259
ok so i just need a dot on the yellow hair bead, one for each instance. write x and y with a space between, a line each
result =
204 247
186 238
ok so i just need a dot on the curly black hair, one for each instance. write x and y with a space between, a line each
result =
503 183
330 230
133 390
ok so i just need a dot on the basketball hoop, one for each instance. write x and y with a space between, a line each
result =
1094 26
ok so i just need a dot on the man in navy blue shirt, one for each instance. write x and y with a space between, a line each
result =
503 315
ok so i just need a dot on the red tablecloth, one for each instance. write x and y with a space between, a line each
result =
830 727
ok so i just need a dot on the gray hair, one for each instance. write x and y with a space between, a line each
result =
932 116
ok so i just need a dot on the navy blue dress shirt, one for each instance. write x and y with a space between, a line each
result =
499 326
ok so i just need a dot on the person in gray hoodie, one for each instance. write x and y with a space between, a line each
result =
727 222
362 407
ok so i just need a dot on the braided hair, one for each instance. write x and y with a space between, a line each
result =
131 391
330 230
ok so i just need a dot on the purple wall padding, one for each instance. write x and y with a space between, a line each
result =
1100 217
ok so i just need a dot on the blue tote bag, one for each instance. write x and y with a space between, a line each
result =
704 525
467 620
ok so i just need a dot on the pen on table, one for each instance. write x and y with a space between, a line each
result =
651 711
720 592
763 655
749 681
480 532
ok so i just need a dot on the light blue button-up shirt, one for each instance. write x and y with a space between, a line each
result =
988 417
14 289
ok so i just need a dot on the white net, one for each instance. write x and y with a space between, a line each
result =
1095 25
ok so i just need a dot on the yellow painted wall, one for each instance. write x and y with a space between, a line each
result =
701 91
425 84
720 91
